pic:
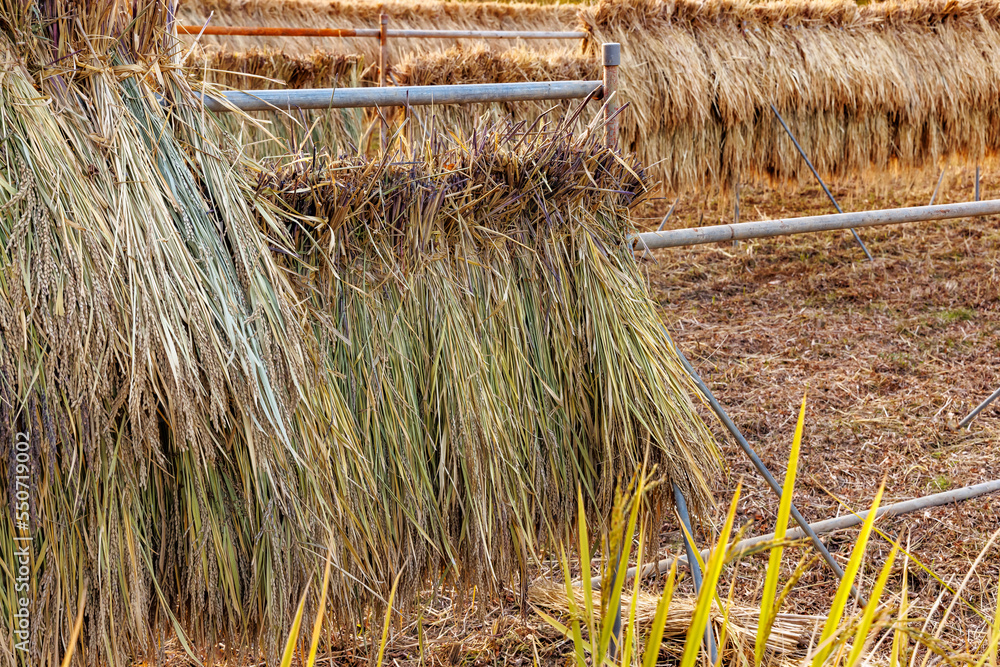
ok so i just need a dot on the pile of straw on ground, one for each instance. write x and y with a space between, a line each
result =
227 374
864 88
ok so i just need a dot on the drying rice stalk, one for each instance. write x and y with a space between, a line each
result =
496 342
864 88
219 369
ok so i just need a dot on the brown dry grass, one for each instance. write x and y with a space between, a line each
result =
892 354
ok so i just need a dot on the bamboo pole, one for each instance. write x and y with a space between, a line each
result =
612 59
816 223
346 98
275 31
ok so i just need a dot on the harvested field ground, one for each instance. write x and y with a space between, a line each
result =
892 354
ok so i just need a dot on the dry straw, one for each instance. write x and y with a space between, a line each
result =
281 133
427 15
864 88
224 371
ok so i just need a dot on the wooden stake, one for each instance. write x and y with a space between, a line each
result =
612 58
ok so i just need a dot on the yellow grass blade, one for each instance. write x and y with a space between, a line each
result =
293 634
588 591
995 632
318 625
724 632
991 651
842 597
655 638
706 595
630 633
388 620
607 622
578 644
868 616
767 608
76 628
898 635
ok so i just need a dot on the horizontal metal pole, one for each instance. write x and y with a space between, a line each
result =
838 523
345 98
273 31
269 31
489 34
815 223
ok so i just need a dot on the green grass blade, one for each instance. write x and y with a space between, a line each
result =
655 638
767 608
843 595
703 608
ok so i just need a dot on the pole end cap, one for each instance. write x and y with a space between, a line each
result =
612 54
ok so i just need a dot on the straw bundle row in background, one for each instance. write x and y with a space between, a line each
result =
893 84
862 87
427 15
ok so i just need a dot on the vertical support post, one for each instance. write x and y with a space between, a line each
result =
977 182
383 57
383 65
692 557
612 58
736 212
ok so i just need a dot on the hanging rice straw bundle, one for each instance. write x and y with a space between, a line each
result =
151 353
863 86
364 14
500 345
220 372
